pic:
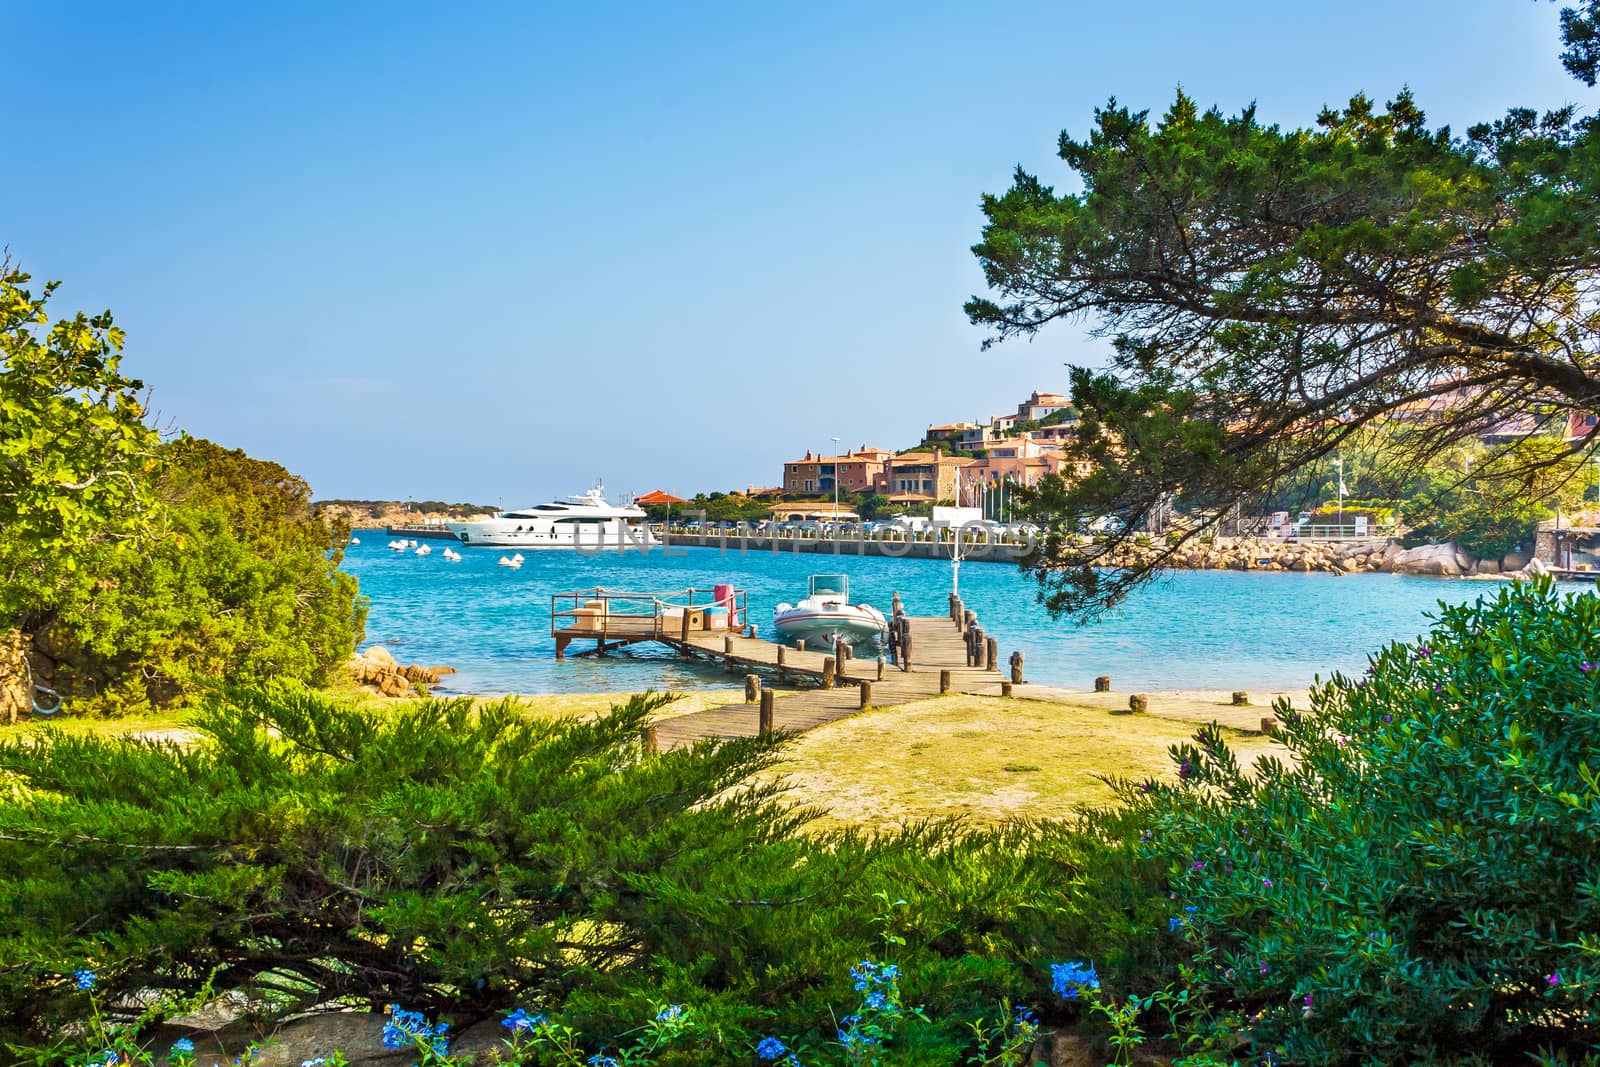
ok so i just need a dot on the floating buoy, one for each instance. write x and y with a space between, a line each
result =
516 558
355 540
425 550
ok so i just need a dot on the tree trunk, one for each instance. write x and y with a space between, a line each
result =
16 696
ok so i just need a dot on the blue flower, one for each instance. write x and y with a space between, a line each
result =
600 1059
183 1047
1192 908
85 979
770 1048
520 1022
670 1014
1174 924
408 1028
1070 979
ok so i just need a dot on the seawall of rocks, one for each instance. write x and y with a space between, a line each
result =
1347 557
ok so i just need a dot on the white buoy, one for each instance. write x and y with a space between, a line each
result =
355 540
425 550
412 543
517 558
505 561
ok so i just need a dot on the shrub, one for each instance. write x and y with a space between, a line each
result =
1417 882
440 855
462 861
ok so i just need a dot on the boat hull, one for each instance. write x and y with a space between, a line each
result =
825 629
609 539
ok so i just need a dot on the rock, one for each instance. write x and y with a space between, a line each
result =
379 654
1299 565
1513 561
1442 560
1487 566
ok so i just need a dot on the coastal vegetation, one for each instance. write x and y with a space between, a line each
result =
1270 292
1407 879
137 569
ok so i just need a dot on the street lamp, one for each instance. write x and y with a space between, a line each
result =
835 488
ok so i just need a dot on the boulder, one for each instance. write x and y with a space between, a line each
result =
1513 561
1442 560
1486 566
379 654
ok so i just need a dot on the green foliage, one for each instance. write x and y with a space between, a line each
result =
73 443
462 862
1416 882
239 580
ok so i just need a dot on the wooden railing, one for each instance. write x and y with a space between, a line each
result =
630 614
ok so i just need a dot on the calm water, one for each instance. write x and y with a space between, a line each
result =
1196 629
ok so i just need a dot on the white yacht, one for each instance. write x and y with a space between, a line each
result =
588 522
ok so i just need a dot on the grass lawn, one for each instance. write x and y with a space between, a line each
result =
981 758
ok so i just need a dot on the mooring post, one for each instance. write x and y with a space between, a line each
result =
1016 668
1240 699
866 695
1102 684
827 672
800 645
944 682
765 721
649 742
1138 703
968 618
783 663
1005 689
1269 726
752 688
991 654
880 668
905 651
840 654
727 654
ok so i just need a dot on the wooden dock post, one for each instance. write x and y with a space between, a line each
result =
905 650
648 740
828 668
1005 689
880 667
1138 703
752 688
866 695
1269 726
991 654
783 663
1016 668
841 653
944 682
800 645
764 722
727 654
1102 684
1241 699
968 619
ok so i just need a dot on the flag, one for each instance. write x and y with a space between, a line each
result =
1342 490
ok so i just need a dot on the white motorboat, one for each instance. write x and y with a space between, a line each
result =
826 616
587 522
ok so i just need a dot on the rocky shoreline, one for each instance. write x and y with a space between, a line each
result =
1377 556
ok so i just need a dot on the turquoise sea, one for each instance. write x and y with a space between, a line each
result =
1195 629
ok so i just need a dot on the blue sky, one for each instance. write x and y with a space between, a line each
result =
492 252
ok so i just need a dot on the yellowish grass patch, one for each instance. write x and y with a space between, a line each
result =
982 758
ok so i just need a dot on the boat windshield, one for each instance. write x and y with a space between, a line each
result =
830 585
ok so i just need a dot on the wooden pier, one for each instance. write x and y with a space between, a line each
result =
932 656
